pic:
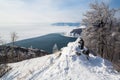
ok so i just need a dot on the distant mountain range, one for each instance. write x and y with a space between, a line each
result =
66 24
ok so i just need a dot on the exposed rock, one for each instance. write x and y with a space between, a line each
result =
4 69
76 31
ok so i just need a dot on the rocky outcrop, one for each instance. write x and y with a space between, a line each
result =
76 32
4 69
10 54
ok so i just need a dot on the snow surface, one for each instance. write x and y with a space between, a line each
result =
82 26
68 66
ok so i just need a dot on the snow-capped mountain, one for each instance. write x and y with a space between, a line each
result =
64 65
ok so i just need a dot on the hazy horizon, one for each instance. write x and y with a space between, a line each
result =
20 15
31 30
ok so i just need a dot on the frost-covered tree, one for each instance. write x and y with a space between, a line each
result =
3 50
55 48
102 17
14 37
99 15
102 35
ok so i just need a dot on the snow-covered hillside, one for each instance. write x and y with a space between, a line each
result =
67 66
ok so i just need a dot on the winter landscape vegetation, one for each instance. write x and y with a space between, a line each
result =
60 40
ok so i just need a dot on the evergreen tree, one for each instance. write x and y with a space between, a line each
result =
55 48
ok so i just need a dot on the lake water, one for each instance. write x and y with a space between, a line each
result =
46 42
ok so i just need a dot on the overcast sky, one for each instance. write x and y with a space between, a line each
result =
37 11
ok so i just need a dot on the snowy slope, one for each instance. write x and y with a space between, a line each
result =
68 66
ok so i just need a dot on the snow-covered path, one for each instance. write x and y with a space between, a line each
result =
68 66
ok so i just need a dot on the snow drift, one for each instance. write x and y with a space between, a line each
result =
67 66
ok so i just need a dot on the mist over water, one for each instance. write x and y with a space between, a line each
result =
25 31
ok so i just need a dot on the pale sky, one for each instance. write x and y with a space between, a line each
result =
37 11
